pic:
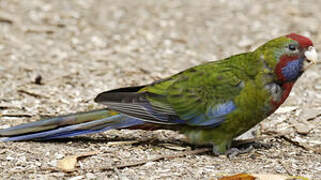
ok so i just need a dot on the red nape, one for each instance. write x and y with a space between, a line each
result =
287 87
302 40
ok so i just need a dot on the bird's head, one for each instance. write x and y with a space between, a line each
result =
289 56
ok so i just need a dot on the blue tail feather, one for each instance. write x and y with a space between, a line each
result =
113 122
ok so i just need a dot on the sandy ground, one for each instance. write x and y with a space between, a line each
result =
81 48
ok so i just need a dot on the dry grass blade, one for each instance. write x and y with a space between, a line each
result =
120 143
36 95
301 145
16 115
198 151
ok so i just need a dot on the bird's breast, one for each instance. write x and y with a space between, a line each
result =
279 93
275 91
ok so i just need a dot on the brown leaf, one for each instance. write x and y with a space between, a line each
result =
276 177
68 163
238 177
260 177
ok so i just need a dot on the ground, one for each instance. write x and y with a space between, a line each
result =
55 56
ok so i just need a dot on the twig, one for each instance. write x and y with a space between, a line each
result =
32 94
301 145
286 167
313 118
39 29
250 140
198 151
51 169
8 106
6 18
118 143
16 115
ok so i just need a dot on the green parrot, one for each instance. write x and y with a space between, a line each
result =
211 103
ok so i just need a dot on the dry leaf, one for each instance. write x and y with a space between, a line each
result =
270 177
277 177
302 128
238 177
68 163
261 177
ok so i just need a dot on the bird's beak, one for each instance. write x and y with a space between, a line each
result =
311 57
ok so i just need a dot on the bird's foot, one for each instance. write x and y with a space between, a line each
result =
233 152
247 147
238 147
259 145
254 144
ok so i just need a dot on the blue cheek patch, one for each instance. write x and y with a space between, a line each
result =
215 116
293 69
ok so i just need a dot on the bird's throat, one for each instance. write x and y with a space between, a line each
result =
286 89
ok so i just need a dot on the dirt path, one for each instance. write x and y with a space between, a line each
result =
81 48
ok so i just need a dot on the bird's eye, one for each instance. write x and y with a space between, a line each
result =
292 47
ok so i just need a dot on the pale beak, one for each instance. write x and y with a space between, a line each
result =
311 56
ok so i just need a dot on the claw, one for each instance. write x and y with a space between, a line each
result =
233 152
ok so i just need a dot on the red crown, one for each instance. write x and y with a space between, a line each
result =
302 40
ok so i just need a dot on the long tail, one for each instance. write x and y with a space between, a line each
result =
69 125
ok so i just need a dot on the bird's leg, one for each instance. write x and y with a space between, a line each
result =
221 148
216 152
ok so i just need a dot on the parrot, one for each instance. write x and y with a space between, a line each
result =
211 103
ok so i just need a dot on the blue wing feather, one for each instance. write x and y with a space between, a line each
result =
215 115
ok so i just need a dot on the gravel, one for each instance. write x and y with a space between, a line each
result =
55 56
